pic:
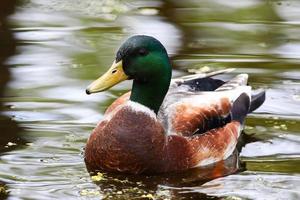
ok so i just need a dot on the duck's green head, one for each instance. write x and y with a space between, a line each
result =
145 60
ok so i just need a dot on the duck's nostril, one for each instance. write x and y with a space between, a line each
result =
114 71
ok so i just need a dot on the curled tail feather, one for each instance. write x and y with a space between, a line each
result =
240 108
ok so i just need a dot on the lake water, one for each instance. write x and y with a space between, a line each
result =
62 46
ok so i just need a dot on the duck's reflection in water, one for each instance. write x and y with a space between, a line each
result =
174 185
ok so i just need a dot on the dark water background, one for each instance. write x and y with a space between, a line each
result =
59 47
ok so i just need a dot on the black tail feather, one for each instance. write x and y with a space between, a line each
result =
257 100
204 84
240 108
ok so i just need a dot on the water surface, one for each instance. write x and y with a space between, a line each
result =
63 45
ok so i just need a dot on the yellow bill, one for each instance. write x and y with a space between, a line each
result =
114 75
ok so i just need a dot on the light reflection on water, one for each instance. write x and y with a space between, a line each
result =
62 46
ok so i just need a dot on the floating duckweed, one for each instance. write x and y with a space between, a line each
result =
98 177
139 183
203 69
276 127
89 192
249 128
122 181
119 192
128 193
148 196
134 190
283 127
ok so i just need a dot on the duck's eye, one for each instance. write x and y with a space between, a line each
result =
143 52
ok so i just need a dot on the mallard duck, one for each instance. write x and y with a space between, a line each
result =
165 124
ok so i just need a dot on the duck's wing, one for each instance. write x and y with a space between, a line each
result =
204 127
200 81
187 111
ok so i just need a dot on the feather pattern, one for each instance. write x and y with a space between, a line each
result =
195 126
187 112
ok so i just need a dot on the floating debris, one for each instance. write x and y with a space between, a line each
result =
11 144
98 177
122 181
276 127
283 127
147 196
89 192
148 11
249 128
201 70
